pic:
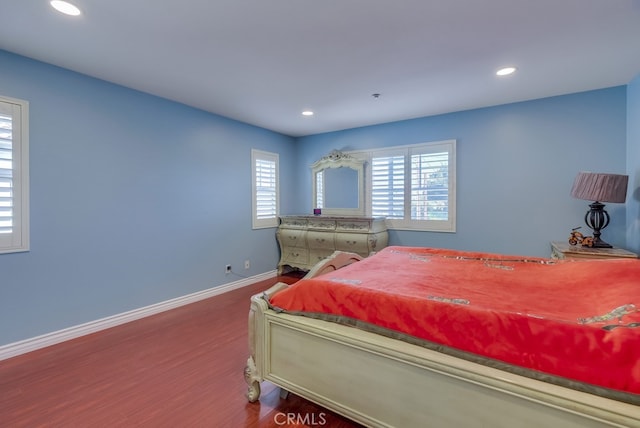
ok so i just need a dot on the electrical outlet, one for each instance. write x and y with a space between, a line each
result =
227 269
247 264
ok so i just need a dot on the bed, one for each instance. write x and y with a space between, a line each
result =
474 339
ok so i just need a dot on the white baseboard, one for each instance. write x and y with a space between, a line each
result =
48 339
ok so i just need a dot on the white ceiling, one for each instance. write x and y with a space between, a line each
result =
264 61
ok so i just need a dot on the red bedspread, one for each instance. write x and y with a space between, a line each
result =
574 319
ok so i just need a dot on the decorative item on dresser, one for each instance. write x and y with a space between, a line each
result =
562 250
305 240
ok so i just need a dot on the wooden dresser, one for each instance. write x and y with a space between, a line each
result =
305 240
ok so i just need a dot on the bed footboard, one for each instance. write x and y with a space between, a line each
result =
383 382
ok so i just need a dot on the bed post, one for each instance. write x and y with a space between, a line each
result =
251 374
253 371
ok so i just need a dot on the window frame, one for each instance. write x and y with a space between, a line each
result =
256 222
18 239
406 223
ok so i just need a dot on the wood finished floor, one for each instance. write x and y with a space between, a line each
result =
180 368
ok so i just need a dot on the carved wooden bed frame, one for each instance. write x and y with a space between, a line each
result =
382 382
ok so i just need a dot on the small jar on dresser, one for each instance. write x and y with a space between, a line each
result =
306 240
563 250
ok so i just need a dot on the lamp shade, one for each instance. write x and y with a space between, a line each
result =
593 186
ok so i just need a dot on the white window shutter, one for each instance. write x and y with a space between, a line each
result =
265 189
413 186
14 177
430 186
387 186
6 175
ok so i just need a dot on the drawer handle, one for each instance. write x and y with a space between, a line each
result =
319 239
293 237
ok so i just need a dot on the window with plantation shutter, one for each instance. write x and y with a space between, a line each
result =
413 186
430 186
14 214
265 189
387 186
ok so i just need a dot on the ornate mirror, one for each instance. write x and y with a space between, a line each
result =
338 184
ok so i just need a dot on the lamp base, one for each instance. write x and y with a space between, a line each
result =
599 243
597 218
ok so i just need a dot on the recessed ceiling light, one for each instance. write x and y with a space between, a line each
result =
65 7
506 71
307 113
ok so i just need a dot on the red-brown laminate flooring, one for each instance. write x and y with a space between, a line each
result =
179 368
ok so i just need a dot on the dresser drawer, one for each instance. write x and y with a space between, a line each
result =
295 256
353 225
317 255
294 222
354 242
319 223
320 240
292 237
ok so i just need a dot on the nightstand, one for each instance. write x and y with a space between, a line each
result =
562 250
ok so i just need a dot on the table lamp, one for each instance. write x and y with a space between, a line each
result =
599 188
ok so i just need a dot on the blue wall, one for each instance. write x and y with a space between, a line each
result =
134 200
516 164
633 165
